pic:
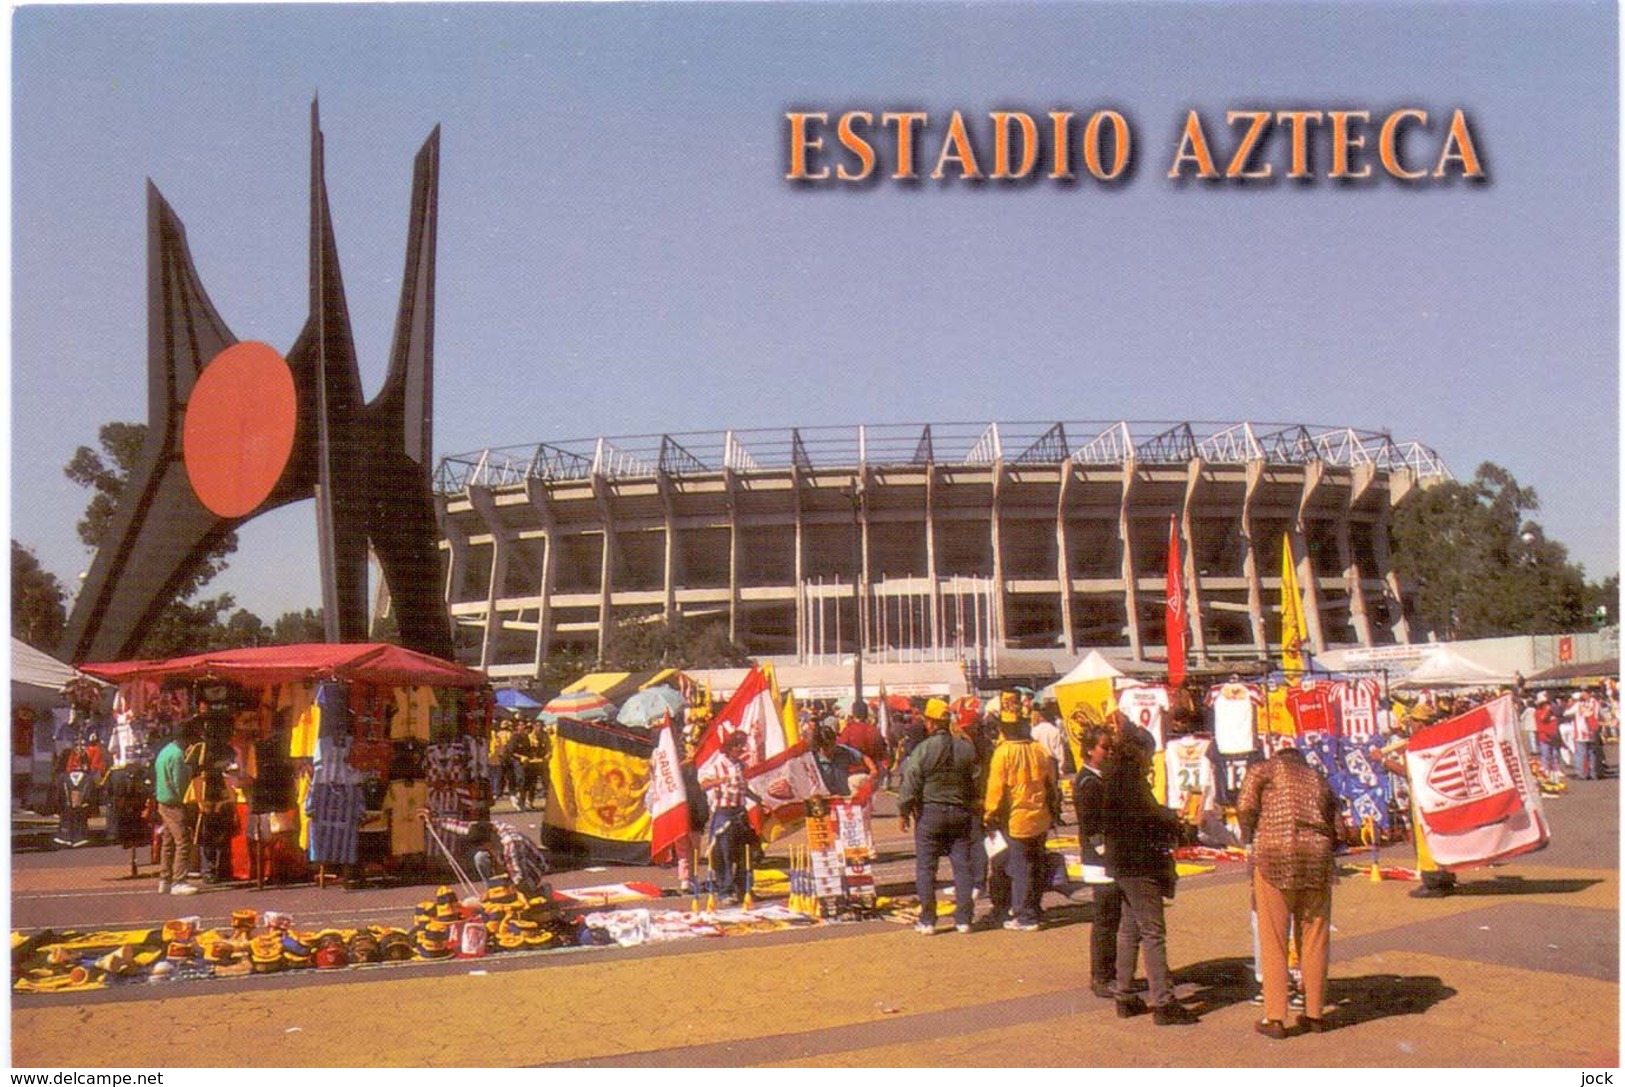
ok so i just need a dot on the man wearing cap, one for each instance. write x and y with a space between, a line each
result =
1021 802
939 793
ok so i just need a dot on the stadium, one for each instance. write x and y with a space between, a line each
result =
978 542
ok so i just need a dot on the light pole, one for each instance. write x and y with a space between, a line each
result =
855 493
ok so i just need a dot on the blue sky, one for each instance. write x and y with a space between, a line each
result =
619 252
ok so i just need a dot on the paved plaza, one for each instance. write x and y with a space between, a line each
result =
1519 969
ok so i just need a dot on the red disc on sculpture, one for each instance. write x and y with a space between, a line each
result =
239 428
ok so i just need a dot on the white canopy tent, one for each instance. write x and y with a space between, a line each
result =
1446 668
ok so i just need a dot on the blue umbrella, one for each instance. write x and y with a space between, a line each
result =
650 705
511 699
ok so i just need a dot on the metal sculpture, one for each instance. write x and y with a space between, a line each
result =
234 430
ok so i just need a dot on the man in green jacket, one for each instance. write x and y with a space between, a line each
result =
939 793
170 779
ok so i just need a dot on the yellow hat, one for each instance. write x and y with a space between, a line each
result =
936 710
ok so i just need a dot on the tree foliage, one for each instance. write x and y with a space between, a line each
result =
107 474
1478 567
643 642
38 612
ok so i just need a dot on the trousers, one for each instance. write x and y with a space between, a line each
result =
1310 909
945 830
1143 927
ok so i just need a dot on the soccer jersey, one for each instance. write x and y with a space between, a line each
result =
1356 702
1189 773
1234 706
1146 707
1310 706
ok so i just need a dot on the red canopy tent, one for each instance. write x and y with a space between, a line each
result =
380 663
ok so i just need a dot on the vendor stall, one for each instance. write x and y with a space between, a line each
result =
329 750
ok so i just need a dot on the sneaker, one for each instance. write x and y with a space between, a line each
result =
1257 998
926 929
1174 1015
1020 926
1295 1001
961 928
183 889
62 841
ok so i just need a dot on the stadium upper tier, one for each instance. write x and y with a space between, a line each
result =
940 541
902 444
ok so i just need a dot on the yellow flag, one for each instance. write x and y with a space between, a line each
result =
791 718
1293 629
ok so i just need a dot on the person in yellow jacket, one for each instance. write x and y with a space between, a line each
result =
1022 803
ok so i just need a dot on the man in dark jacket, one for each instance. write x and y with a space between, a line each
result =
939 793
1139 834
1089 799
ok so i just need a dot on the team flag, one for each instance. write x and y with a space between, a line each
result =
1293 629
667 797
786 779
790 719
1178 619
1475 800
598 777
752 711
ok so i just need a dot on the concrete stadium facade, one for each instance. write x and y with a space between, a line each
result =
942 541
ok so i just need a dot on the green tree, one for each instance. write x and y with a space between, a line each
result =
38 613
642 642
299 627
107 474
1478 567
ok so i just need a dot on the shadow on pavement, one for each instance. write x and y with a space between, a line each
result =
1223 982
1517 885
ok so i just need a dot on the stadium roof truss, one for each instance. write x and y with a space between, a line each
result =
915 445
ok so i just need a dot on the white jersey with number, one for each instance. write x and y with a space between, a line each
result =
1146 707
1190 773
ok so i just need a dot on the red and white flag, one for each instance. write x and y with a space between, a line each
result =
1178 619
786 778
752 711
667 797
1474 796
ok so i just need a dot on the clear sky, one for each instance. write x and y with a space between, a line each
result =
620 253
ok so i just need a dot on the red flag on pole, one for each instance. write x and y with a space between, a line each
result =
1177 621
668 796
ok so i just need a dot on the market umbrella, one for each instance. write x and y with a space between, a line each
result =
645 707
579 706
511 699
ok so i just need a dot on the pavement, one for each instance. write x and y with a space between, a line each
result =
1520 969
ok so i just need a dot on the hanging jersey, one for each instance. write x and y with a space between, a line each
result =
1357 702
1188 771
413 708
1309 704
1228 773
1146 707
1234 707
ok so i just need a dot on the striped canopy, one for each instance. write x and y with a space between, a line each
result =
579 706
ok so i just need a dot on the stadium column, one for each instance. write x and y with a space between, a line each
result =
1313 474
802 610
607 558
1363 475
1131 586
536 495
1399 485
457 546
937 634
1193 583
668 578
484 504
1063 556
1249 562
730 482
